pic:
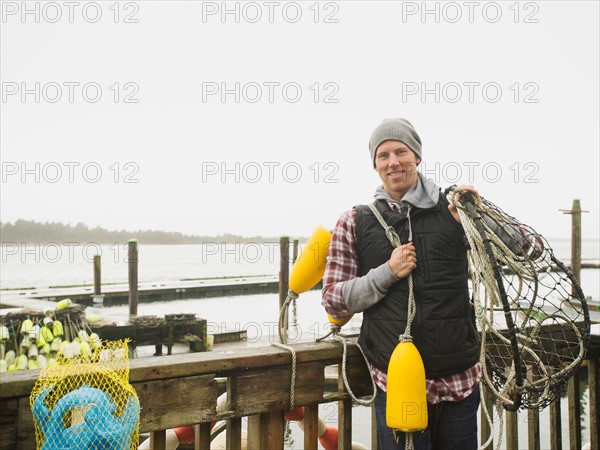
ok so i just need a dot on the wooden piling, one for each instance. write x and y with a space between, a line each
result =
284 268
97 275
132 260
576 242
575 212
295 251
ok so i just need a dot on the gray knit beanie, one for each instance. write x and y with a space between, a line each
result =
395 130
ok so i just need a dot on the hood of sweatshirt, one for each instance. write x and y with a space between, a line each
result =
424 194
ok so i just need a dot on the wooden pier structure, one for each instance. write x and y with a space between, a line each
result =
183 389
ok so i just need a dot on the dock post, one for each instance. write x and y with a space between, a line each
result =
132 260
97 275
576 242
97 298
295 251
284 269
575 212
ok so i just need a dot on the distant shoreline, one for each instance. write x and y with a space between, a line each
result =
32 232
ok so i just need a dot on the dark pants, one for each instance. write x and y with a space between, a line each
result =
451 426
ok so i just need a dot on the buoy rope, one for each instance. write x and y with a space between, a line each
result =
283 338
363 402
394 239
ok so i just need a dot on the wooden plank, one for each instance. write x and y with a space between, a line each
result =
9 411
533 429
486 430
202 436
158 440
233 438
25 427
274 425
177 402
512 430
263 391
594 406
256 432
20 383
344 416
533 421
574 412
555 425
311 427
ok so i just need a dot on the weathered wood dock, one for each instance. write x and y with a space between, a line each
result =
118 294
183 390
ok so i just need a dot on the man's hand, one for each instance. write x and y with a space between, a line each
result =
403 260
451 206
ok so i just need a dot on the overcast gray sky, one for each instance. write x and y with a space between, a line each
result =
254 117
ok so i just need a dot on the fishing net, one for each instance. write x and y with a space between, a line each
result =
531 311
86 402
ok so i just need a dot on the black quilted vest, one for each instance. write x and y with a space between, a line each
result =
444 326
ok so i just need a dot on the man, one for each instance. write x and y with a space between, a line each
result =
365 273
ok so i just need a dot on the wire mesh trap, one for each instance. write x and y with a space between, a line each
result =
530 309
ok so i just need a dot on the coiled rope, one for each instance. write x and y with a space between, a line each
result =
537 369
334 333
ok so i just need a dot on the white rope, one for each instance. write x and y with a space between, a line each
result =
366 402
293 378
283 338
394 239
486 298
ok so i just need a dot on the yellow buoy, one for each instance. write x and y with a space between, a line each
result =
310 265
406 408
339 322
309 268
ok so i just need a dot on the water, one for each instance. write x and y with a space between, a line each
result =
43 265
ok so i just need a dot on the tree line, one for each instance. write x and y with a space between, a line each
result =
30 231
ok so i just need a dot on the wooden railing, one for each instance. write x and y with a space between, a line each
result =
183 389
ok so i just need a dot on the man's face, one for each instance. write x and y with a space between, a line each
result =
396 165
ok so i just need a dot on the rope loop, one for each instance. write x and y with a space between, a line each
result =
293 377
